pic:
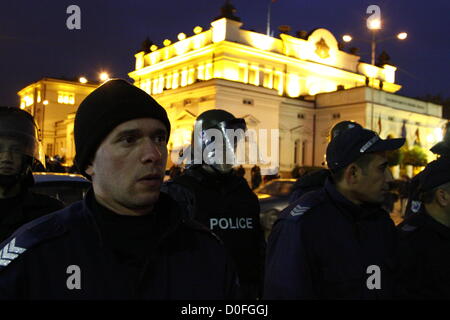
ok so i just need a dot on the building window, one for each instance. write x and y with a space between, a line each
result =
336 115
66 97
391 118
247 101
300 116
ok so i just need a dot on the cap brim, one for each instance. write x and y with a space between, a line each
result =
387 145
440 148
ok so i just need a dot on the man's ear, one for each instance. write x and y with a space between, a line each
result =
90 170
351 174
442 197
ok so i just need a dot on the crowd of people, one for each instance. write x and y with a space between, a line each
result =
198 235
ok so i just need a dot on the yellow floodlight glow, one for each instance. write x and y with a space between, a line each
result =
347 38
438 134
104 76
45 102
402 35
167 42
181 36
82 80
375 24
198 29
261 41
153 47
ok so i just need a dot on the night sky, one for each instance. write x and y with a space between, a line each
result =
35 42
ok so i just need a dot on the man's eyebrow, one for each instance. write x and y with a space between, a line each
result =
159 131
128 132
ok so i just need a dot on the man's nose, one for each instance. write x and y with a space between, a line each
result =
150 152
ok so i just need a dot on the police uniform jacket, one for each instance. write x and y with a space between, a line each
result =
65 255
424 258
325 247
228 207
27 206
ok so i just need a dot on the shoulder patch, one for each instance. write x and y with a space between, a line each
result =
415 206
28 236
303 205
10 252
299 210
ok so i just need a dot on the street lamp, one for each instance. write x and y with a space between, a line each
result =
104 76
373 26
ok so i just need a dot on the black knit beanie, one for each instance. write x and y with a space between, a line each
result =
114 102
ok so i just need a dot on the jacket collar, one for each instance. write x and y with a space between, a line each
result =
167 215
346 207
433 224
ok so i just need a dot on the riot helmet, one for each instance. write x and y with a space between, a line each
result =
215 138
19 147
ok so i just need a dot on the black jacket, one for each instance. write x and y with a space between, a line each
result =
424 258
27 206
308 182
184 262
228 207
322 246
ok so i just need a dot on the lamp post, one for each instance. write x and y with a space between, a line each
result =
373 27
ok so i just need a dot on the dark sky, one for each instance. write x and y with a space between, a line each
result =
35 42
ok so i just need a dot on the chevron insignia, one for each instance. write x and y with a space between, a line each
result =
299 210
10 252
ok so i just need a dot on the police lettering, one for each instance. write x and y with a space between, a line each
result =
230 223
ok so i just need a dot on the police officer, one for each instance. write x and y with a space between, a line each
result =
316 179
124 240
441 149
337 242
221 200
18 151
424 241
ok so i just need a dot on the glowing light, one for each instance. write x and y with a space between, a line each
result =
198 29
261 41
104 76
22 105
28 100
181 36
438 133
375 24
167 42
347 38
153 47
369 70
293 86
45 102
402 35
83 80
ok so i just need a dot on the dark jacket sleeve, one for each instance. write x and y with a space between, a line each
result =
288 266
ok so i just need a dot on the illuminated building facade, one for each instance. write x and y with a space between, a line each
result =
53 103
300 86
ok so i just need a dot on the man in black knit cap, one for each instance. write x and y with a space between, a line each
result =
125 240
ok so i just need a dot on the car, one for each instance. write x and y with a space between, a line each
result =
273 198
66 187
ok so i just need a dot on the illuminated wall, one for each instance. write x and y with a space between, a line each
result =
53 102
291 66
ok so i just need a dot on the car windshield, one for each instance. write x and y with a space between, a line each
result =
276 188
